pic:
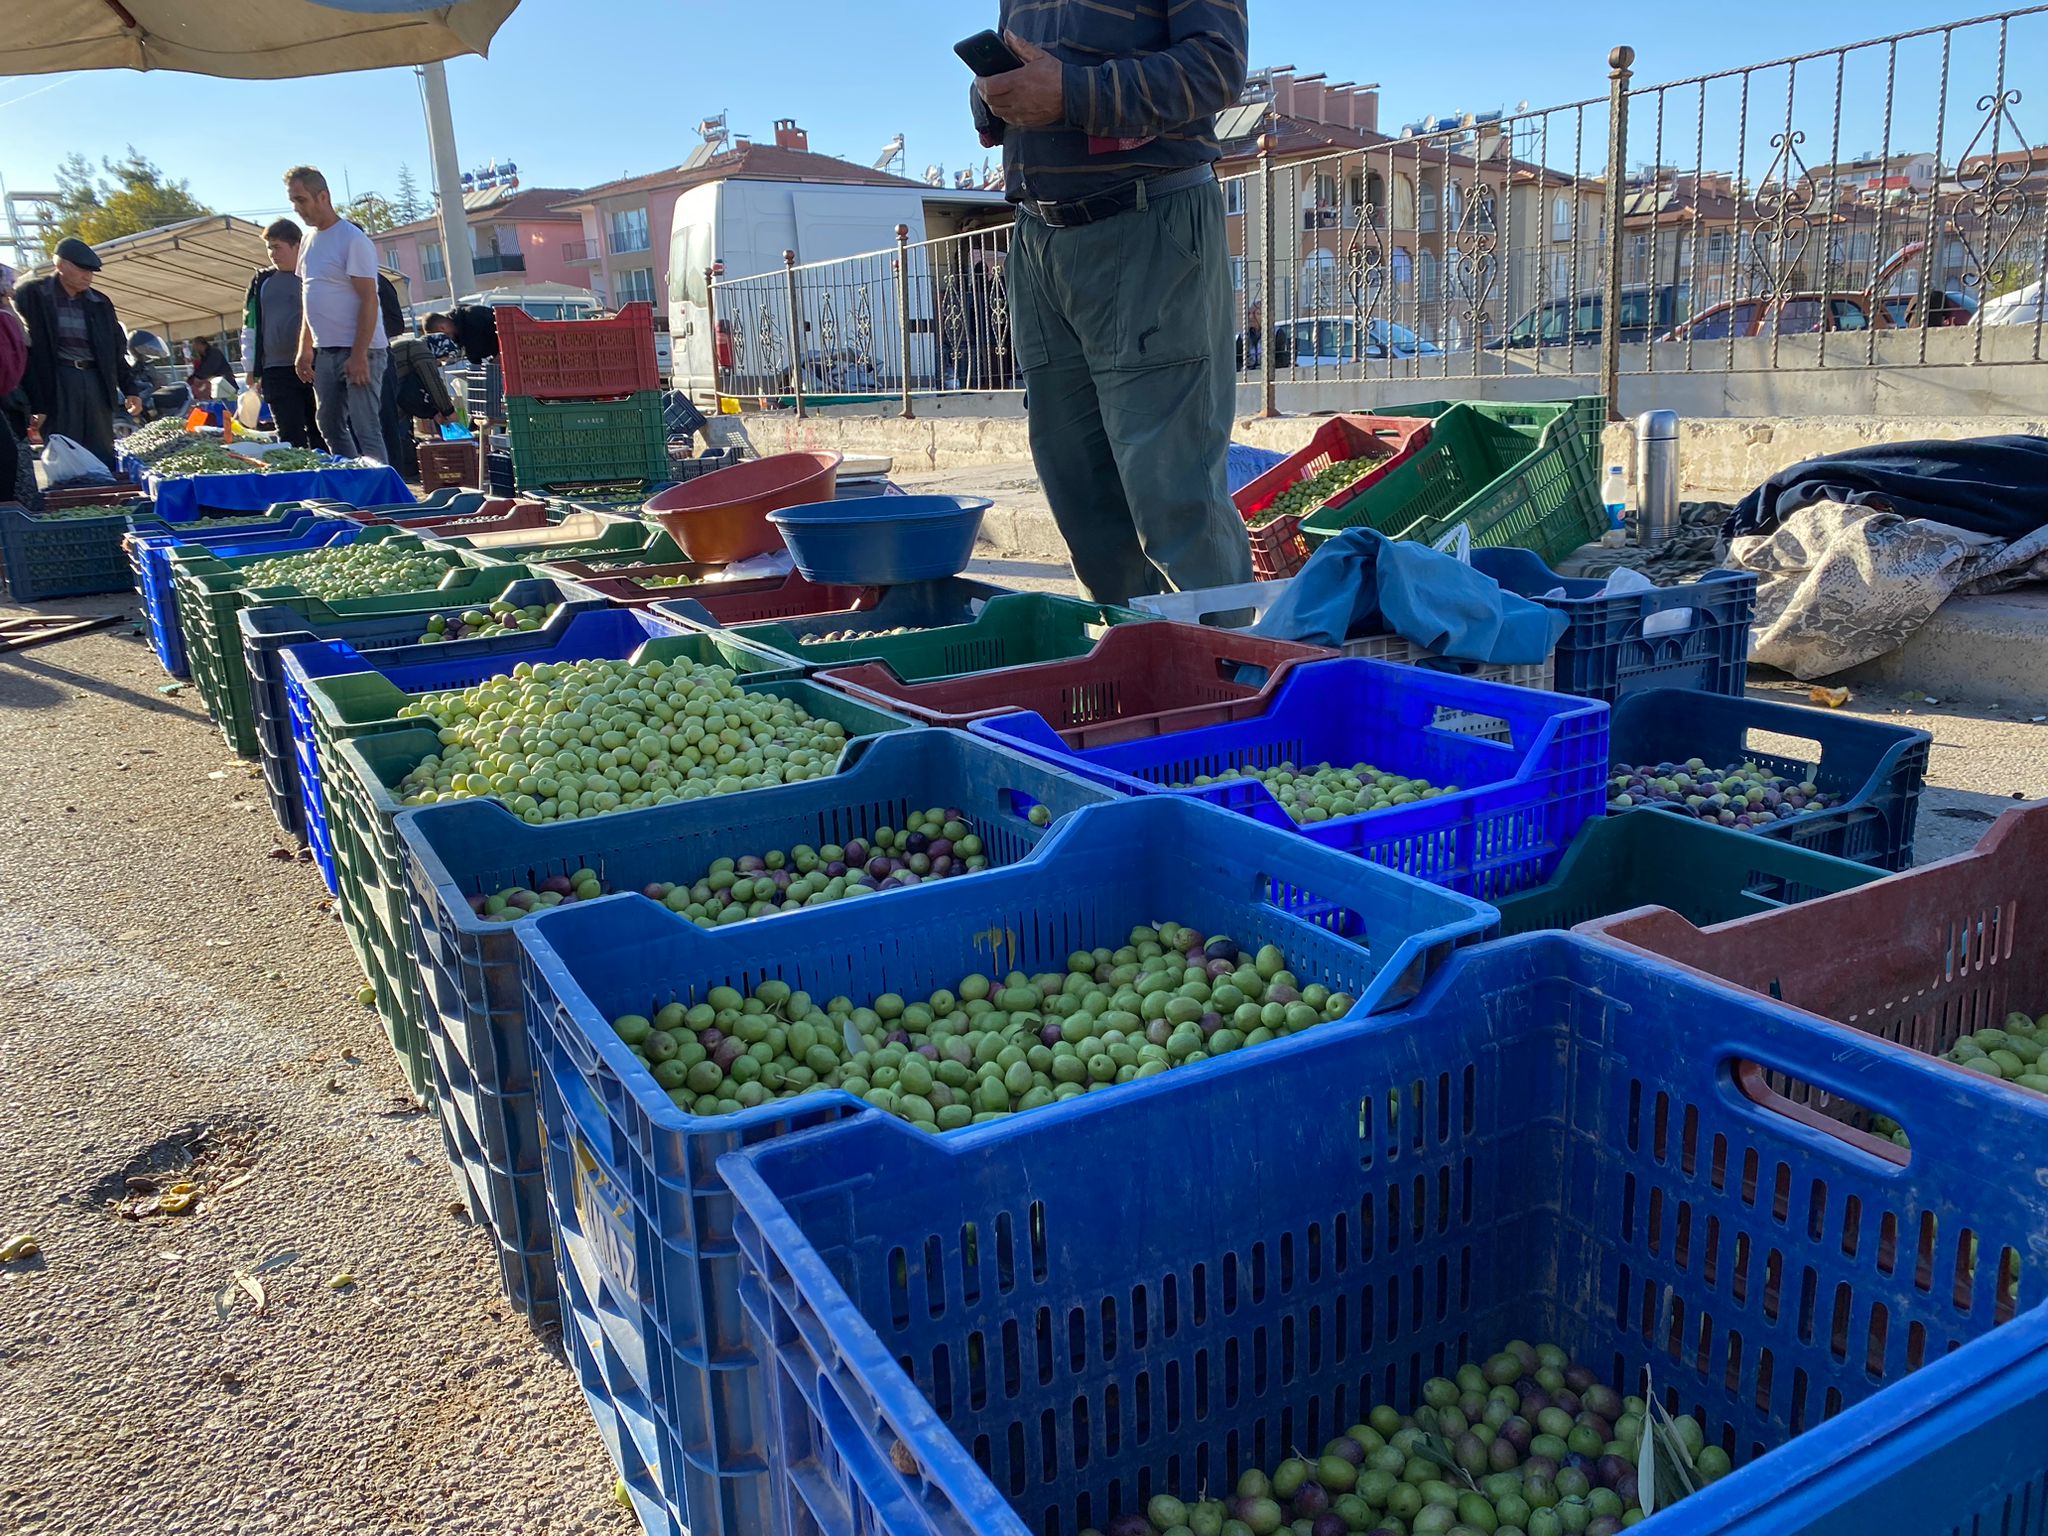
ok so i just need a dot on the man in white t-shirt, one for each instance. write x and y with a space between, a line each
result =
341 340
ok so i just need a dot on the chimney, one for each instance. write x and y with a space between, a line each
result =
1337 104
1283 91
789 136
1311 99
1365 110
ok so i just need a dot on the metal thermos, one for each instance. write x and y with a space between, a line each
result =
1657 476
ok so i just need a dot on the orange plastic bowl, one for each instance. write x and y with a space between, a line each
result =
723 516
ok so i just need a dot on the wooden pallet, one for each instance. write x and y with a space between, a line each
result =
18 634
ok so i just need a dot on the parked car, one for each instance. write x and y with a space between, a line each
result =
1561 322
1331 341
1790 314
2020 307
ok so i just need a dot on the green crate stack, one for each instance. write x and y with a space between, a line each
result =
1509 482
578 442
361 773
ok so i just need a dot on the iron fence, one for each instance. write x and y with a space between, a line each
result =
1878 204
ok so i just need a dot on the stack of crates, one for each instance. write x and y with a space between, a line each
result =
583 398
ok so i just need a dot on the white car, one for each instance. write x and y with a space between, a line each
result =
2020 307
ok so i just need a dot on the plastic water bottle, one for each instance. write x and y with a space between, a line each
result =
1615 497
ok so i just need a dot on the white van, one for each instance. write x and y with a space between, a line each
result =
747 225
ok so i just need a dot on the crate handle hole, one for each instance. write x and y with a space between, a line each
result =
1820 1109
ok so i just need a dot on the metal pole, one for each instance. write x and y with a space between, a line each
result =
1618 63
903 309
796 340
1267 407
711 322
447 181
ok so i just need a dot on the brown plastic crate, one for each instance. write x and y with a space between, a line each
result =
450 463
1918 959
1140 680
578 359
1278 549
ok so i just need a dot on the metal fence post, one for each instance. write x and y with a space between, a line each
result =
1263 331
796 340
1618 62
903 309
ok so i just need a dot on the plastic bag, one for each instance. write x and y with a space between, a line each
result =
1626 580
249 407
755 567
66 459
456 432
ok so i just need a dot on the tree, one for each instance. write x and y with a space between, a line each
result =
373 212
408 204
132 195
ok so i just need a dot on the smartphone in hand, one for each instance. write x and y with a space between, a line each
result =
987 54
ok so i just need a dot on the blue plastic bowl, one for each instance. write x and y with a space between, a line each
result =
881 541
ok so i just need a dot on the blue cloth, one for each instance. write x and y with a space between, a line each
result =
1363 583
1246 464
179 501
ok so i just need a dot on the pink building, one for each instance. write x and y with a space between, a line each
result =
620 248
516 237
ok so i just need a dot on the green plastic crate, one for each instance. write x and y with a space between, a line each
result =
575 442
361 803
627 539
1014 630
211 594
1490 476
1706 874
1587 412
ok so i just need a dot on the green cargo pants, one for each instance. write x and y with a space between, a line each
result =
1122 331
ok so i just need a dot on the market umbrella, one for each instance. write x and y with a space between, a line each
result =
245 40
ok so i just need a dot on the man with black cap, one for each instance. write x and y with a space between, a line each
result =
77 355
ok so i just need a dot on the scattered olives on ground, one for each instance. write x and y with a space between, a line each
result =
1526 1443
989 1046
559 740
482 623
1744 796
341 571
1306 496
1324 791
839 636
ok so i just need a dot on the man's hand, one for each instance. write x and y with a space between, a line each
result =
1032 97
357 369
132 404
305 364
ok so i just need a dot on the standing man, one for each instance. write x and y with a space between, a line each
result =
272 318
1120 295
77 354
341 343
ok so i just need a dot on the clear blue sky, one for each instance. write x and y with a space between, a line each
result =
577 92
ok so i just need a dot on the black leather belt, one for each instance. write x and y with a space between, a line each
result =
1107 205
78 362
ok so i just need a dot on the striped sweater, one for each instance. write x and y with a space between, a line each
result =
1144 82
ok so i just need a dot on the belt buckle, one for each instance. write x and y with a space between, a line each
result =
1048 214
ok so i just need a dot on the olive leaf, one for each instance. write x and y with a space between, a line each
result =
1663 1455
1434 1448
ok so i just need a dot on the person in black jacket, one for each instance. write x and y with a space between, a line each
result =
270 338
77 354
474 327
210 364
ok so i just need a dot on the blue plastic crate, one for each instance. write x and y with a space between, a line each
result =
1880 768
474 1015
416 669
47 556
1532 766
1052 1322
268 631
149 546
1605 652
642 1217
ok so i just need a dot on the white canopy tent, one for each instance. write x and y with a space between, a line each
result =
250 40
188 279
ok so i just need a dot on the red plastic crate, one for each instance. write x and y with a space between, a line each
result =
577 359
1278 549
1141 680
492 517
450 463
728 602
